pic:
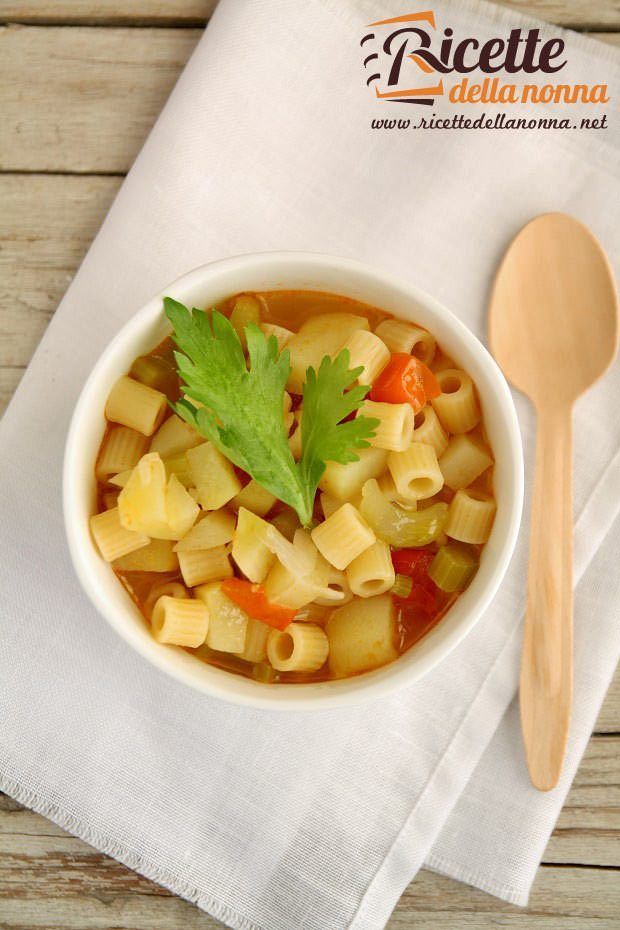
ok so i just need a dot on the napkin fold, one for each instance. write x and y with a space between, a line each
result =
273 820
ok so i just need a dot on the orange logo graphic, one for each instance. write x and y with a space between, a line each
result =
388 50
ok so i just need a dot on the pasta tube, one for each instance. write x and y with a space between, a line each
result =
135 405
198 566
463 461
112 538
122 449
343 536
428 429
400 336
366 351
319 336
301 647
395 429
372 572
470 516
171 588
180 621
457 406
416 472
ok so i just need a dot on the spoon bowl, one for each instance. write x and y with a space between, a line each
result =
553 322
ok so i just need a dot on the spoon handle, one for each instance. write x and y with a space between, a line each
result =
546 668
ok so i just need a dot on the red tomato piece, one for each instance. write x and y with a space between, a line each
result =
413 562
251 598
405 380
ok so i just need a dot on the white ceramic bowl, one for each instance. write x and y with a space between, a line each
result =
292 270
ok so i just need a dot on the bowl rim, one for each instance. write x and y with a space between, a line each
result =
222 684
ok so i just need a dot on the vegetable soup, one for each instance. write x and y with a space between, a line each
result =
294 486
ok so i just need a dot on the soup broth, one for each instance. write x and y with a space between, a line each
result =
221 566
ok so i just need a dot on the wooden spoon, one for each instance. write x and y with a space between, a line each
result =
553 326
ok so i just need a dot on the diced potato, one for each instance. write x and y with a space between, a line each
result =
362 636
227 622
283 336
150 504
179 466
319 336
158 556
214 528
213 475
120 480
142 502
174 436
346 481
286 522
246 310
249 550
181 509
254 497
287 589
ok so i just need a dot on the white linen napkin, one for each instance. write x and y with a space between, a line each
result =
274 820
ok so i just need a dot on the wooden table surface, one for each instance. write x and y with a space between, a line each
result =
80 86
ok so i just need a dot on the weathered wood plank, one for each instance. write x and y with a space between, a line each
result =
46 227
578 15
573 898
588 829
89 96
51 879
108 12
81 99
566 898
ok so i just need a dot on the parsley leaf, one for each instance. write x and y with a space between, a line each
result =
324 438
239 407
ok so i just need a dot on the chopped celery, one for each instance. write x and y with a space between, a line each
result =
263 672
453 567
179 465
402 586
157 373
396 526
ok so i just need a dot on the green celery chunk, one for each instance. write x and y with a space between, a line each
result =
453 567
399 527
157 373
402 586
263 672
